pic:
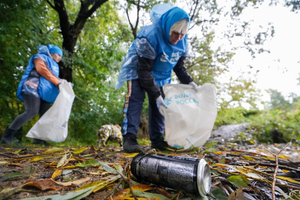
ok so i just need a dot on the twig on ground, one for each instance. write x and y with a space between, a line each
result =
113 190
128 182
7 155
276 169
178 195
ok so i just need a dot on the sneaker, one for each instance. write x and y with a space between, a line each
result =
162 145
130 144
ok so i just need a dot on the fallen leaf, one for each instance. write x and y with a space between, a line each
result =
108 182
239 181
78 151
76 182
53 150
140 187
130 155
107 168
46 184
56 173
91 162
237 195
63 161
75 195
37 158
7 192
284 157
153 196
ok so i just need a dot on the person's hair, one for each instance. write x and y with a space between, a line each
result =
180 27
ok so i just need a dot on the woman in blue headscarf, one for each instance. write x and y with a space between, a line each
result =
38 89
158 49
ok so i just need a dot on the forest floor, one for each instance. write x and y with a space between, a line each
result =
240 169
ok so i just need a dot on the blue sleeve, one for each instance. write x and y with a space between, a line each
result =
144 48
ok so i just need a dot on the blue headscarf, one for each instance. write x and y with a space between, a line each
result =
169 18
55 49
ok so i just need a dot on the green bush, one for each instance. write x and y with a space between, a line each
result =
264 122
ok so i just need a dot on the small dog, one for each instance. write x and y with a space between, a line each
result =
109 132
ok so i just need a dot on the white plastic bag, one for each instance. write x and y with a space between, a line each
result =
190 115
53 125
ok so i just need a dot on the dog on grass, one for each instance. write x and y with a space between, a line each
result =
109 132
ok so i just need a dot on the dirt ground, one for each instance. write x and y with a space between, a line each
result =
22 164
239 170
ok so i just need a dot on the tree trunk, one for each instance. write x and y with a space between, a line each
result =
71 31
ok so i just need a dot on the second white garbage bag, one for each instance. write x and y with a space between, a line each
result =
53 125
191 114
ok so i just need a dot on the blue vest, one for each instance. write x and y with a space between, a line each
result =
46 90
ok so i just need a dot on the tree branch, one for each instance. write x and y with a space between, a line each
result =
194 9
51 5
129 21
97 4
137 17
138 8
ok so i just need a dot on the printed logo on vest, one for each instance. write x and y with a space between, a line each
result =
175 56
164 58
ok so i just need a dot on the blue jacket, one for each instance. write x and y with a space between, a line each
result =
44 89
153 49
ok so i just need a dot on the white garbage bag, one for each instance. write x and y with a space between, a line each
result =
191 114
53 125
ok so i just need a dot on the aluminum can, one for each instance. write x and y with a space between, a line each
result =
189 174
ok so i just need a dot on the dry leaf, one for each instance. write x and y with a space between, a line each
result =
56 173
237 195
46 184
76 183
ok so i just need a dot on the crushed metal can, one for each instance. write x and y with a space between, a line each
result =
189 174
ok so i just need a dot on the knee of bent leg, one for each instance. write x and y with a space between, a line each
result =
31 113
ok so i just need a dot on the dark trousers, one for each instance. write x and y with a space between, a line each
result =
132 113
33 106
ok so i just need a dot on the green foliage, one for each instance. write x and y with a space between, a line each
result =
285 122
205 64
238 93
278 101
235 116
263 122
280 114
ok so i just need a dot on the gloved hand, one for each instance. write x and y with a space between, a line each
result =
194 85
62 81
160 102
